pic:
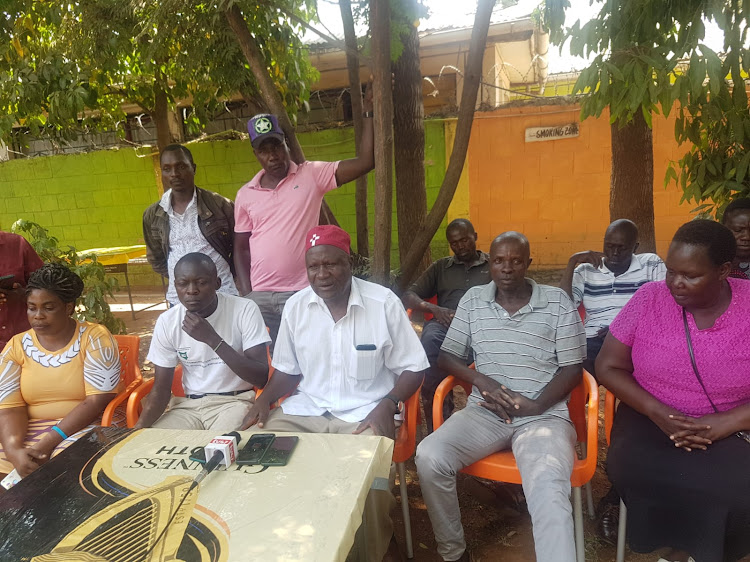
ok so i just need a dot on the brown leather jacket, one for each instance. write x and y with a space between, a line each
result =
215 220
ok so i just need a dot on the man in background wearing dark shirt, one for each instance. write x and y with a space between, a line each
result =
448 279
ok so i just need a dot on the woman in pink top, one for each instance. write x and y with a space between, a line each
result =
675 457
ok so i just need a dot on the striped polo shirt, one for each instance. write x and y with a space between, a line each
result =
603 295
522 351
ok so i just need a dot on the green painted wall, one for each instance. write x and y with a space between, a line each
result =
97 199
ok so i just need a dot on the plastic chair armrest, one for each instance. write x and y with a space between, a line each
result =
448 384
132 411
406 436
592 426
109 411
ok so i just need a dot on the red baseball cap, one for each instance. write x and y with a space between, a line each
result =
328 235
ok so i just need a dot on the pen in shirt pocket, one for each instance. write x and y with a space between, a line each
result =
366 347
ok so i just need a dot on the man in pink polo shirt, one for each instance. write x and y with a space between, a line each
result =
275 209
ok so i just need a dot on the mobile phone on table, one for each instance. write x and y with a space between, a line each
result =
280 451
6 281
198 455
255 448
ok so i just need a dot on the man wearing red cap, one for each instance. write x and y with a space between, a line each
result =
349 356
275 209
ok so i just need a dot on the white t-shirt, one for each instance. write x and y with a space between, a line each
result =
237 321
336 376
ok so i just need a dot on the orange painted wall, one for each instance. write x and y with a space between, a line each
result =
557 192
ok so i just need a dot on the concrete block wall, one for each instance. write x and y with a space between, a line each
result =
557 192
97 199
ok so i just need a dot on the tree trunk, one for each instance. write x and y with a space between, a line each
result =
160 116
632 180
383 107
472 75
408 144
268 92
355 89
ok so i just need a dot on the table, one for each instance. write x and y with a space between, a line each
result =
112 493
116 260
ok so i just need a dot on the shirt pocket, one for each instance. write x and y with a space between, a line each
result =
366 364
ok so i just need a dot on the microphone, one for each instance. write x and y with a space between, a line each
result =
221 450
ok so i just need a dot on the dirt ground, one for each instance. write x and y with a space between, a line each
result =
496 528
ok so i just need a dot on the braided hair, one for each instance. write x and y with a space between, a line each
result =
58 280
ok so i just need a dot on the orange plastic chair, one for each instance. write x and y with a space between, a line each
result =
130 374
403 449
427 316
133 410
610 405
502 466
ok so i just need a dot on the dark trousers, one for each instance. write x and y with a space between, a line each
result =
593 347
433 335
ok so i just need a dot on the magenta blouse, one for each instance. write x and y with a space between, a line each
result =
651 325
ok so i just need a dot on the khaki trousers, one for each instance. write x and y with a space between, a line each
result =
218 413
379 503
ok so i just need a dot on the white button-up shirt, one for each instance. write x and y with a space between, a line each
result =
185 237
337 377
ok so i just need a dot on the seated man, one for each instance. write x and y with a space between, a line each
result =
448 278
605 281
737 219
220 341
528 345
349 355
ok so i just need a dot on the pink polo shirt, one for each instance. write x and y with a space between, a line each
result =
279 219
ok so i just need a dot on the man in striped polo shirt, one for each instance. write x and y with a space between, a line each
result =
605 281
528 344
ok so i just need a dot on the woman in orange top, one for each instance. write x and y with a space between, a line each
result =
56 378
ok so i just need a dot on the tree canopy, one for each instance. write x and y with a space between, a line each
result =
65 66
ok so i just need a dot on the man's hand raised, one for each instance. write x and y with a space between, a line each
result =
199 329
589 256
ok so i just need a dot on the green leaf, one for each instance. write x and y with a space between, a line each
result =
742 167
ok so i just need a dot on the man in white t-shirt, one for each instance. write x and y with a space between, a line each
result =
347 354
220 341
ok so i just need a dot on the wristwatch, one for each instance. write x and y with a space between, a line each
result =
399 404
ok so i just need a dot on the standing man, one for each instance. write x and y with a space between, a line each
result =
188 219
347 354
448 279
605 281
528 345
737 219
17 258
276 208
219 340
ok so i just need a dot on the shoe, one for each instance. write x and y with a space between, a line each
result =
690 559
609 519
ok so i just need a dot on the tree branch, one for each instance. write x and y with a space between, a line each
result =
473 74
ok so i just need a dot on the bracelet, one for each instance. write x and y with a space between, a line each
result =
218 345
59 431
368 114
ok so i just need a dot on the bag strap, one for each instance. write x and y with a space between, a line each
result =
692 359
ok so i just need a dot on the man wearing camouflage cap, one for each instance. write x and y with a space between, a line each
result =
275 209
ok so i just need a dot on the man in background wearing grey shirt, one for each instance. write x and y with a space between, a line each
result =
528 343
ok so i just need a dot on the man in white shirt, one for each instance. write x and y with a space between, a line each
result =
348 353
220 341
188 219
